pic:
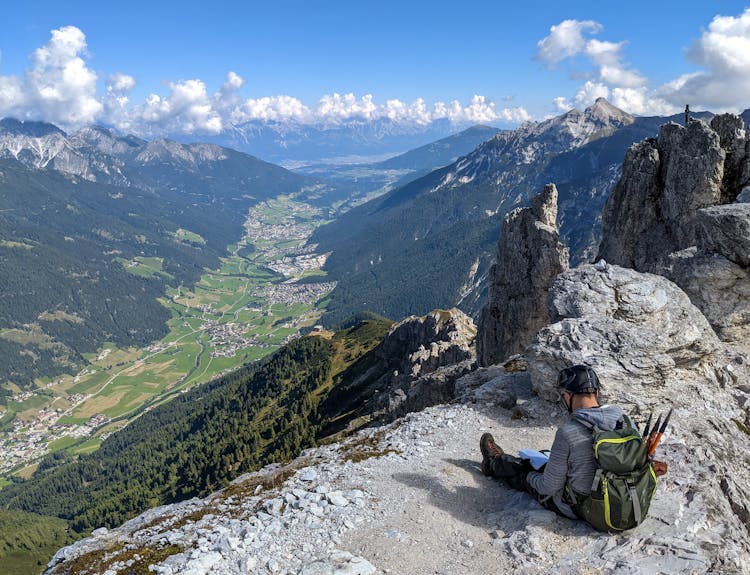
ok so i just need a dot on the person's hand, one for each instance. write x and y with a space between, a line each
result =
660 467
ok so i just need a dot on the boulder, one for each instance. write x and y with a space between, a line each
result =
529 257
627 325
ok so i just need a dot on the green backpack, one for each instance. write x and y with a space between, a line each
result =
624 483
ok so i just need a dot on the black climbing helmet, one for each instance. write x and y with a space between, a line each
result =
578 379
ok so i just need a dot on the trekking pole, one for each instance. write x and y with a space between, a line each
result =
652 434
657 439
644 435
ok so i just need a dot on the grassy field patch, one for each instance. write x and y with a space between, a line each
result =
90 382
33 336
63 443
186 236
27 471
34 403
99 404
88 446
144 266
59 315
115 357
12 244
72 420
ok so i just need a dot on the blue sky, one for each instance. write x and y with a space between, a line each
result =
159 66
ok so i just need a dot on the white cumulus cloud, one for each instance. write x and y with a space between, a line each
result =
187 109
117 100
120 83
722 82
60 87
271 108
12 97
337 107
641 101
723 53
607 56
609 75
565 39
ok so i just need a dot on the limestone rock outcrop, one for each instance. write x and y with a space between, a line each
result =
438 339
725 230
718 287
529 256
439 348
627 325
651 211
679 211
415 365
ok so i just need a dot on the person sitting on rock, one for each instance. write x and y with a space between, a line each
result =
571 464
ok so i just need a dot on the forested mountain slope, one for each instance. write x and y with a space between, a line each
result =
264 412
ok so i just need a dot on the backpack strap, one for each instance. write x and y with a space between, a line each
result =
572 499
586 424
626 419
597 479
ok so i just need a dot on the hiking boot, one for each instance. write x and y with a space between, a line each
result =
489 450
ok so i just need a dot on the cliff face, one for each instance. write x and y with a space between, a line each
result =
529 256
413 367
677 211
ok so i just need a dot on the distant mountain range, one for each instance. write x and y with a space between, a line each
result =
74 207
430 243
287 141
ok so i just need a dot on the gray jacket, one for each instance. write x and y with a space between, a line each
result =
571 459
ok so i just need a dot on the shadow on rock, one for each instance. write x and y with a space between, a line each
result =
488 505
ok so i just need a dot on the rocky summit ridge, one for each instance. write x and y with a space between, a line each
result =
409 497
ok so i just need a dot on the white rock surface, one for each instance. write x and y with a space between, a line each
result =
625 324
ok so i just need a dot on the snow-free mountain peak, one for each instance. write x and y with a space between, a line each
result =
601 109
105 140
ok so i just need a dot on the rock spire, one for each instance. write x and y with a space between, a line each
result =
529 257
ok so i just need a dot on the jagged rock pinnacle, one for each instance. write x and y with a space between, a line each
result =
529 256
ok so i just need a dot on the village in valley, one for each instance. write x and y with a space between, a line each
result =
251 306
